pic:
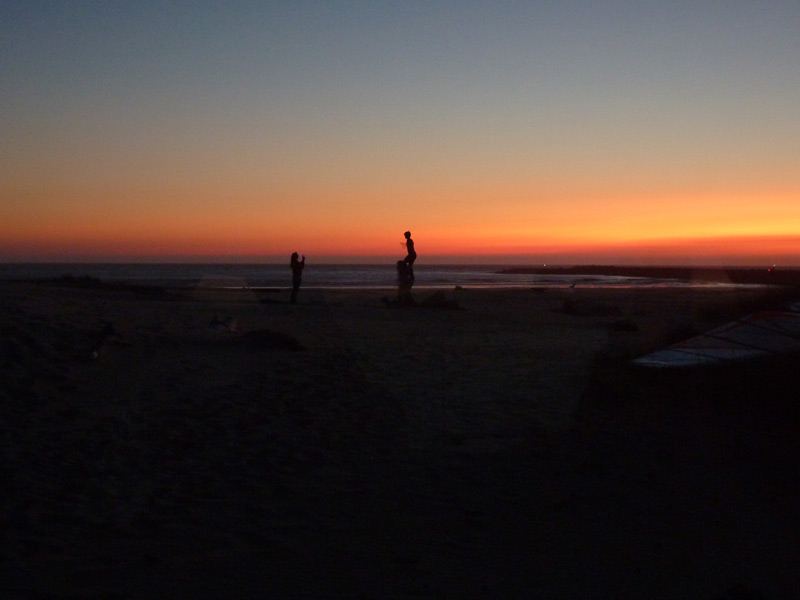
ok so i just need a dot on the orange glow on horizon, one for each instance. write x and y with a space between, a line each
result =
737 249
447 220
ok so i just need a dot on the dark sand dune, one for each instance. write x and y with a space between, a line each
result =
340 447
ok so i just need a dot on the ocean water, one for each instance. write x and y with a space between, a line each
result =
321 276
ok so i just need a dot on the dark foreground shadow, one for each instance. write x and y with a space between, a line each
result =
264 339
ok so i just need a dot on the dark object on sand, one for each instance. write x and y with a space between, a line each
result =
297 274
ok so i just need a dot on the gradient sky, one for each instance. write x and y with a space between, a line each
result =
562 131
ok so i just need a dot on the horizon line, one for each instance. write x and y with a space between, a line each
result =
390 261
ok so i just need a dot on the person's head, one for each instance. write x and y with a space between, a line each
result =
408 235
294 256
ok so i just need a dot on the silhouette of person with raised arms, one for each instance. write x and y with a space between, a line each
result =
297 274
411 255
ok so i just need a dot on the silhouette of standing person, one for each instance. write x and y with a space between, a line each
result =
411 255
297 274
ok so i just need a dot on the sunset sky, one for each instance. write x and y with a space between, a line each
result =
626 132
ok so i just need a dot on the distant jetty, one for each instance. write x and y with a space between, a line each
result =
775 276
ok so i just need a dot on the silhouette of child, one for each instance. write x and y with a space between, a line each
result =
411 255
297 274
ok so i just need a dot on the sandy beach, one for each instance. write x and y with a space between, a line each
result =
201 442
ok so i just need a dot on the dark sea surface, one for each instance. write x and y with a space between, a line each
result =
322 275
